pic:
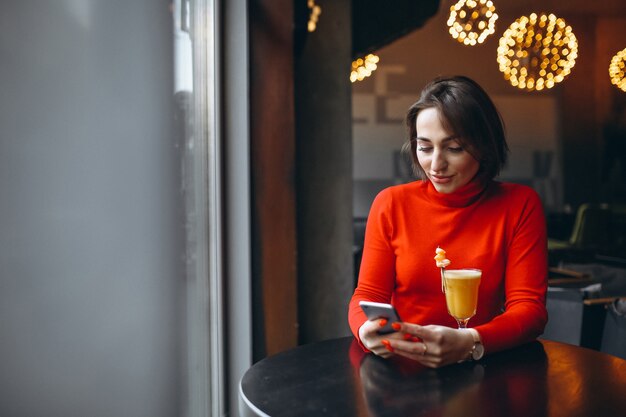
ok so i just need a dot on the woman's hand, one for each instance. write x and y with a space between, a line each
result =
379 344
437 346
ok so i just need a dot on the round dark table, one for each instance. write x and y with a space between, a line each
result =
336 378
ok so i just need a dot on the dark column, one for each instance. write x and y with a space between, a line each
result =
324 174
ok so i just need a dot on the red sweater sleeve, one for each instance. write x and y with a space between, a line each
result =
525 283
377 274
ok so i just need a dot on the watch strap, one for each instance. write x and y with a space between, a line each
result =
478 349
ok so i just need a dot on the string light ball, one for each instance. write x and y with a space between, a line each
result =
314 15
471 21
617 70
363 67
537 52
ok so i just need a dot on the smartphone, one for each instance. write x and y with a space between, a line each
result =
375 311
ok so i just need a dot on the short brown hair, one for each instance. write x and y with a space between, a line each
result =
466 111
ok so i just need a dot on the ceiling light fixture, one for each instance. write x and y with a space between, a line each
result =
363 67
617 70
314 15
537 52
471 21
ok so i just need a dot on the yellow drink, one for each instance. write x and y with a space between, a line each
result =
461 287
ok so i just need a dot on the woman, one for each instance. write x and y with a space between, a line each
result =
458 147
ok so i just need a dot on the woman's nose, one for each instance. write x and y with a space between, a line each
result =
438 162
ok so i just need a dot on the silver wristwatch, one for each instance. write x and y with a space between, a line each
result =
478 350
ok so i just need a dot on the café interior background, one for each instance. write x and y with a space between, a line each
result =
536 121
125 290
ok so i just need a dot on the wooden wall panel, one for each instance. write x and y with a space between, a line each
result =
272 136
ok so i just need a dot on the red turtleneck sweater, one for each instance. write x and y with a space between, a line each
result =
498 228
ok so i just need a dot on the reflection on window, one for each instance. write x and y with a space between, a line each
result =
195 136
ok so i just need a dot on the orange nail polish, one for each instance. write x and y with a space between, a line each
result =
382 322
396 326
387 345
407 336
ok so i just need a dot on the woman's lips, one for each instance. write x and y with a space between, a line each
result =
439 179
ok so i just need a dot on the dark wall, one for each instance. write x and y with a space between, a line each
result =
324 174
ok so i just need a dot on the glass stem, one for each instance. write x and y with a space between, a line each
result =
462 323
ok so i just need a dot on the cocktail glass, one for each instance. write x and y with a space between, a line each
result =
461 289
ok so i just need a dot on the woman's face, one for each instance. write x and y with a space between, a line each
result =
446 163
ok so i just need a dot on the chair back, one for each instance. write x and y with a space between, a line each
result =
590 226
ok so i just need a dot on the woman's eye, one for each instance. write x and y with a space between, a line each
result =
457 149
424 149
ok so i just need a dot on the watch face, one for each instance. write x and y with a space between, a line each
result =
478 352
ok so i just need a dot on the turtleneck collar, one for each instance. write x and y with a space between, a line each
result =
462 197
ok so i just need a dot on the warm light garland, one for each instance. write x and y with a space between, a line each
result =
617 70
471 21
314 14
363 67
537 52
